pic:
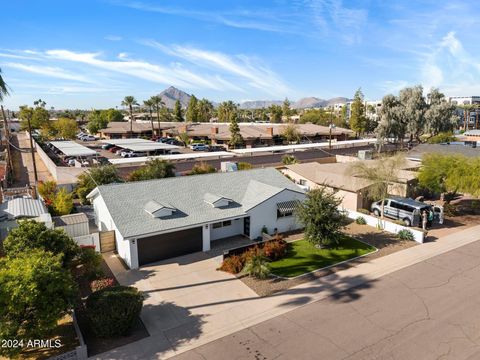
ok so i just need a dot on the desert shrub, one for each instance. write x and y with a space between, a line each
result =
361 220
275 250
101 284
91 262
257 266
364 211
405 234
450 209
244 166
251 252
233 264
113 311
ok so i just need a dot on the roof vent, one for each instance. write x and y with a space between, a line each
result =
216 201
158 210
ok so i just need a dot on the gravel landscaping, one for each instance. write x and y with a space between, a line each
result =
385 243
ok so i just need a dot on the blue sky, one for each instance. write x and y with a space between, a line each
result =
90 54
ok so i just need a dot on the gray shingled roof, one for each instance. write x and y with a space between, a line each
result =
246 189
453 149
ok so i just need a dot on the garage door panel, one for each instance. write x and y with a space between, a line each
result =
165 246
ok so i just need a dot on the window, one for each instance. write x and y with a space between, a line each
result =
302 182
281 214
222 224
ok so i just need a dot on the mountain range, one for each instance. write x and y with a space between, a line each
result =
172 94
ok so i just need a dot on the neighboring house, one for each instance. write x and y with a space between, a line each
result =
419 151
159 219
350 188
16 208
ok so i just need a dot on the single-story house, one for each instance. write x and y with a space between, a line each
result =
160 219
350 188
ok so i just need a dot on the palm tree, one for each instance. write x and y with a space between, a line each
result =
130 101
157 104
149 105
3 87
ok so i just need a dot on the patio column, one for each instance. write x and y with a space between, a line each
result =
206 237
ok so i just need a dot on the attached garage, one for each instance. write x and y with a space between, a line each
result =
165 246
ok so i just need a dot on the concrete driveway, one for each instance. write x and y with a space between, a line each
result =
186 296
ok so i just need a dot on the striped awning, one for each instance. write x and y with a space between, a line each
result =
286 207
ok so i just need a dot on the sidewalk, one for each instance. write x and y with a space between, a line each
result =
260 309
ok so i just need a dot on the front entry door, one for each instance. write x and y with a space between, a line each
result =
246 226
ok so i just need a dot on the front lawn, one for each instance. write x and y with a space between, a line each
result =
303 257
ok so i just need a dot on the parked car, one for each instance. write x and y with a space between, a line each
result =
407 210
113 149
107 146
199 147
119 151
88 138
173 141
162 139
216 148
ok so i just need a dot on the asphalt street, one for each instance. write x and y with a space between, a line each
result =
430 310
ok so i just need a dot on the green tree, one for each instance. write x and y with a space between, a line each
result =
47 191
286 111
3 87
291 133
39 117
236 138
96 121
289 160
315 116
202 168
184 138
191 114
63 202
205 110
275 113
177 112
226 111
31 235
358 121
130 102
320 216
65 128
158 105
94 177
153 169
35 293
113 115
383 174
149 104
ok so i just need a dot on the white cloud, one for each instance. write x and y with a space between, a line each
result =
171 75
247 68
49 71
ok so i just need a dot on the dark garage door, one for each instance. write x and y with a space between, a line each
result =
164 246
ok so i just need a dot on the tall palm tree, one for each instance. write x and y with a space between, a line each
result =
130 101
3 87
149 105
158 104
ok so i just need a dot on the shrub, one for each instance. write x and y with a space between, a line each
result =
244 166
264 230
113 311
364 211
91 262
101 284
233 264
275 250
360 220
405 234
257 266
251 252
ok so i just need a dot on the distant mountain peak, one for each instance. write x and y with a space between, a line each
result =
172 94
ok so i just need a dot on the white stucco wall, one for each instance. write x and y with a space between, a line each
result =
265 214
225 231
105 223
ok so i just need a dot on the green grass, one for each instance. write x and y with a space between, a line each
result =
303 257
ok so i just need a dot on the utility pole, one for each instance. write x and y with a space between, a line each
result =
29 117
7 138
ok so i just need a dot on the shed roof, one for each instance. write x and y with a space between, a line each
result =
246 189
23 207
70 219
